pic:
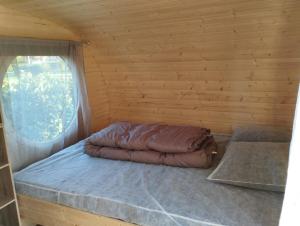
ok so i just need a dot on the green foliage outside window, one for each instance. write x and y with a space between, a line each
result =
38 96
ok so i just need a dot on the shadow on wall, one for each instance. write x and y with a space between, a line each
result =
289 44
275 70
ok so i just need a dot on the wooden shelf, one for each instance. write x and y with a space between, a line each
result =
3 153
9 212
3 165
6 185
5 202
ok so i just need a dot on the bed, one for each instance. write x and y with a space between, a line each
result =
101 190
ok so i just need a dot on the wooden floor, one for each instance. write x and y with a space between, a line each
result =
34 211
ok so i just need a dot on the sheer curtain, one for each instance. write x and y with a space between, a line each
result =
291 202
42 116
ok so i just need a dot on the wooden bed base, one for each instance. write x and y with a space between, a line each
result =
34 211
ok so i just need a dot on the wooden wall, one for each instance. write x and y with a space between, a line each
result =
213 63
97 90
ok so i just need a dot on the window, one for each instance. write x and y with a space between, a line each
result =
38 97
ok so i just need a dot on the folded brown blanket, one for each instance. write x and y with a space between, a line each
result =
183 146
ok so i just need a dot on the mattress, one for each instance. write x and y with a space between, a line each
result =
145 194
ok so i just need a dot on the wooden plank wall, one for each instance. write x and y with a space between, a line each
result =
209 63
212 63
97 90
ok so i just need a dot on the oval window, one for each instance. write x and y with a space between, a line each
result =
38 97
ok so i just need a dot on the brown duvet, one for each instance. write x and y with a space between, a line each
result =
182 146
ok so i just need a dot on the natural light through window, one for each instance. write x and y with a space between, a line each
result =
38 97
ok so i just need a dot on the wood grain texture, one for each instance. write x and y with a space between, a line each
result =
211 63
9 211
34 211
16 24
97 91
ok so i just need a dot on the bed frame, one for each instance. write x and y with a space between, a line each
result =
34 211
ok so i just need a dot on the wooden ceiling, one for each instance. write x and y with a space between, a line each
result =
121 18
14 23
208 62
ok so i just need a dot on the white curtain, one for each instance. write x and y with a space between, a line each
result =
291 202
67 100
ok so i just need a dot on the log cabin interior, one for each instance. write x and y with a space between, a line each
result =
151 113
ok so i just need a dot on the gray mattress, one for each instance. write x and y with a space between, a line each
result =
145 194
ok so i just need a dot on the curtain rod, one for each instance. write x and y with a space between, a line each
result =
85 42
